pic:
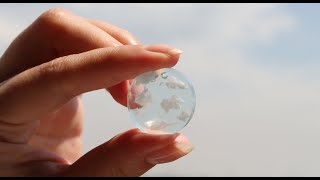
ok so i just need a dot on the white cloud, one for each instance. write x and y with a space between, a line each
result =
174 83
242 23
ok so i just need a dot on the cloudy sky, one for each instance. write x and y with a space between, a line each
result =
255 70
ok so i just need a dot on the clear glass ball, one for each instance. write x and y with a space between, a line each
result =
161 101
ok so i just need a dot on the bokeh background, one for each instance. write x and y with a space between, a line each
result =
255 69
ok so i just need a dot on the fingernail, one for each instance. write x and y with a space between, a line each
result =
164 49
183 144
174 51
179 148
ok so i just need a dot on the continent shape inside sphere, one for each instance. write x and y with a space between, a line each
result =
161 101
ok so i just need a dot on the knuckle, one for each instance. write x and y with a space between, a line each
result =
54 14
51 69
53 19
53 73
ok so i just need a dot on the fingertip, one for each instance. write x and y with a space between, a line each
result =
161 144
171 53
183 144
182 139
171 152
133 41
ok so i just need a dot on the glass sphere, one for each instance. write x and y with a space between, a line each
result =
161 101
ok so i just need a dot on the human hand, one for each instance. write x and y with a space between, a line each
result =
43 73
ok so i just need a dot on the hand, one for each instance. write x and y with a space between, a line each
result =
43 73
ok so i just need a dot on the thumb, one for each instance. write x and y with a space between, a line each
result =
130 154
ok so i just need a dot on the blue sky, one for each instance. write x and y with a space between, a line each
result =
255 69
300 46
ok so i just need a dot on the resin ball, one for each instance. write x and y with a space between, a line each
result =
161 101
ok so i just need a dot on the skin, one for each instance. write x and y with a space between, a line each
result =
43 73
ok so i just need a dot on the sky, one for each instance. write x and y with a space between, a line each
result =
255 71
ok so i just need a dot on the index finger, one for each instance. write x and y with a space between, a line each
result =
41 90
